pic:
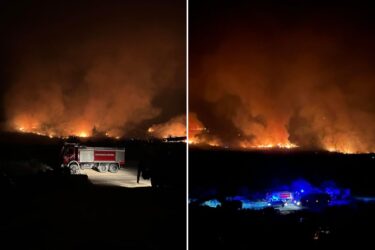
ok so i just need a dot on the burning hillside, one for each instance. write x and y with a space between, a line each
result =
112 69
263 79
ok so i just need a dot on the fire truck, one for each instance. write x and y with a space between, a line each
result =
284 196
103 159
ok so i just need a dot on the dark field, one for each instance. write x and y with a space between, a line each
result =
44 207
229 170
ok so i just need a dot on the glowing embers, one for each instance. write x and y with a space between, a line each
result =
25 130
200 141
112 135
83 134
175 127
274 136
275 146
343 150
71 128
52 133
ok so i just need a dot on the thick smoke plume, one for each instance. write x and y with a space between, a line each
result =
175 127
96 68
279 76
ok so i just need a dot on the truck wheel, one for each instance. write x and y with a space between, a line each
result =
113 168
74 168
102 168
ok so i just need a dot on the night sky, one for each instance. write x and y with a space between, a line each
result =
284 73
67 67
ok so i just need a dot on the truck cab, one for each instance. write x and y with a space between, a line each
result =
68 153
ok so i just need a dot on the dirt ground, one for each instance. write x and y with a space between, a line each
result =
125 177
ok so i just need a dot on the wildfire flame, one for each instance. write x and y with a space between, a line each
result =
52 134
106 83
278 89
200 135
175 127
83 134
278 145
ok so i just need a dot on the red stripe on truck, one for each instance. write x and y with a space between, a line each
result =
100 155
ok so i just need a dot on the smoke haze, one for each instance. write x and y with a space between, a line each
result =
93 66
285 74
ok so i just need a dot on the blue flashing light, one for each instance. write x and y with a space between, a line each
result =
254 205
212 203
302 190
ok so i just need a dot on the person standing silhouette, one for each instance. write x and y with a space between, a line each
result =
140 170
144 165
